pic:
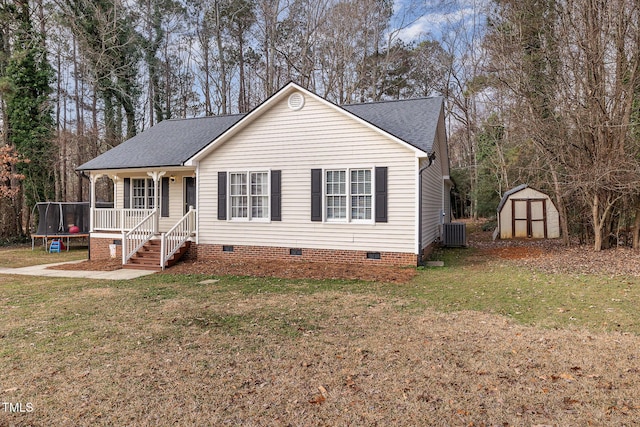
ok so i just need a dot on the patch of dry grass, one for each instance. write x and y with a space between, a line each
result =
23 256
172 351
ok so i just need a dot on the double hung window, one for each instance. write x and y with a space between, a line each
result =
249 195
348 195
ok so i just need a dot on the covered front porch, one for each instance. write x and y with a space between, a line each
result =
151 214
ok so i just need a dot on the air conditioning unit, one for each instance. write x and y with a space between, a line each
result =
454 235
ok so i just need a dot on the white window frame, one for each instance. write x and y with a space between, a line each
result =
348 217
338 195
149 185
249 196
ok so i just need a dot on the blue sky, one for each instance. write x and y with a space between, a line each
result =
417 20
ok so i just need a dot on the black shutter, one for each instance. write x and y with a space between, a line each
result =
276 195
222 195
127 193
381 194
316 194
164 201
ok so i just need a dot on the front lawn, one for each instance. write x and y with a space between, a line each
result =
476 342
23 256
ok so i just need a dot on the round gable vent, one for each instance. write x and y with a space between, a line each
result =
296 101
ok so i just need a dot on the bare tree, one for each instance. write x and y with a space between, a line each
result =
573 66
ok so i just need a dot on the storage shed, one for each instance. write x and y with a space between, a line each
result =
525 212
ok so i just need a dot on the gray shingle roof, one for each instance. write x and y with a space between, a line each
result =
414 121
173 142
169 143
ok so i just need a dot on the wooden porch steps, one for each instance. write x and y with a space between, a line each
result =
148 257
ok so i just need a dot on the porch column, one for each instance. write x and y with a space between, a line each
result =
92 202
115 179
156 176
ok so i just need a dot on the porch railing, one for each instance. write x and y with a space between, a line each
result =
118 219
173 239
140 234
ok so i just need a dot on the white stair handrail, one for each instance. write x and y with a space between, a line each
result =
135 239
172 240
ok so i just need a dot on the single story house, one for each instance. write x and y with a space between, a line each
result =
525 212
298 177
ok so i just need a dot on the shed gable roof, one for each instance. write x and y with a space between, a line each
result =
508 193
175 142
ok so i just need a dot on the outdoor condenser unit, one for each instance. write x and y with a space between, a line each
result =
454 234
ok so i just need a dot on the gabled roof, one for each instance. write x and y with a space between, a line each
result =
174 142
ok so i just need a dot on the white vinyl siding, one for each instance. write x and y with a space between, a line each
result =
435 203
315 137
432 217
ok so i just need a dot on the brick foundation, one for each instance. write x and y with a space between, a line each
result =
204 251
99 248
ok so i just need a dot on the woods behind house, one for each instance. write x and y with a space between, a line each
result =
538 92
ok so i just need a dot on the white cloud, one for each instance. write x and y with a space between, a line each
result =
434 23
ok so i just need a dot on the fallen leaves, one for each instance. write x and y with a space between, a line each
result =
319 398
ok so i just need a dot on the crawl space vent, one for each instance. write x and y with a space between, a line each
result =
296 101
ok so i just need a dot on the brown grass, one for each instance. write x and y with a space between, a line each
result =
155 352
23 256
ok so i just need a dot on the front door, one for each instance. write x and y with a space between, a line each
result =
529 218
189 193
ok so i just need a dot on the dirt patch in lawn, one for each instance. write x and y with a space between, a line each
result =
296 270
260 268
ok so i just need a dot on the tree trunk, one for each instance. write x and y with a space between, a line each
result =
636 230
597 224
221 59
562 209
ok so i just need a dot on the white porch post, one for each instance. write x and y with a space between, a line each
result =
117 217
92 203
115 179
156 176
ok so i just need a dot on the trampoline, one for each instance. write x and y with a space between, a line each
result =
61 220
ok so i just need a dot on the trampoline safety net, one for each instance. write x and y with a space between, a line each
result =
55 218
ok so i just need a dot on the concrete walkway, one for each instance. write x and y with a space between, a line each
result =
42 270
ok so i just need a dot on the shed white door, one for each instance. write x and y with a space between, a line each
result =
529 218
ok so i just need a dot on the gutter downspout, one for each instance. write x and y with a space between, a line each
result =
431 158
